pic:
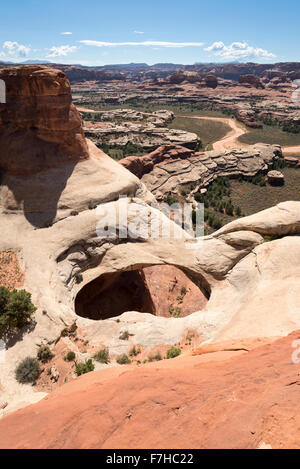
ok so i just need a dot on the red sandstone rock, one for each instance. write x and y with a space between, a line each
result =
248 401
211 81
140 165
251 80
172 292
40 128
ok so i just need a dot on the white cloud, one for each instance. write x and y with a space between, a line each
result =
138 32
67 33
144 43
15 49
61 51
238 51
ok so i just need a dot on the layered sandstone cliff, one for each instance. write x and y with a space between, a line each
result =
40 128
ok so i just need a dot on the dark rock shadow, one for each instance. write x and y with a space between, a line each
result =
11 338
39 194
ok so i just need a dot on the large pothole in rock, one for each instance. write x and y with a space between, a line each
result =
159 290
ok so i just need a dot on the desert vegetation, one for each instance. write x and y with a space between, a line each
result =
16 309
28 371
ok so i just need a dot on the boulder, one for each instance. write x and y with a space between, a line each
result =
275 178
291 161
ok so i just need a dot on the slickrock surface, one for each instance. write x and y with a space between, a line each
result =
170 166
249 401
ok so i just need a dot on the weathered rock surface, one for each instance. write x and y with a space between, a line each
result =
247 402
159 118
168 167
275 178
291 161
146 164
44 157
40 128
147 136
251 80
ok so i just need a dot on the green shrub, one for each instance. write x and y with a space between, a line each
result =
4 297
124 335
78 278
70 357
123 360
238 211
44 354
28 371
173 352
65 332
217 223
102 356
155 358
183 291
170 200
16 309
174 312
83 368
134 351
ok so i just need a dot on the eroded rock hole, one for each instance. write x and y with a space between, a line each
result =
159 290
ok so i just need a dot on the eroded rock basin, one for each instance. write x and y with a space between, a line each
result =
160 290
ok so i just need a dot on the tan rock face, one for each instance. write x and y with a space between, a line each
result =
170 166
40 128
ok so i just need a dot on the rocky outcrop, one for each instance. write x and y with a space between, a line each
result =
275 178
251 80
158 118
145 164
168 167
147 136
40 128
44 156
247 402
291 161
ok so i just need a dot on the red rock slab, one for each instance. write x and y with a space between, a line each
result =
249 401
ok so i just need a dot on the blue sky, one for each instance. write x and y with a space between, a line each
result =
151 31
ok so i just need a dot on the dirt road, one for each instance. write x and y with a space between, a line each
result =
231 139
